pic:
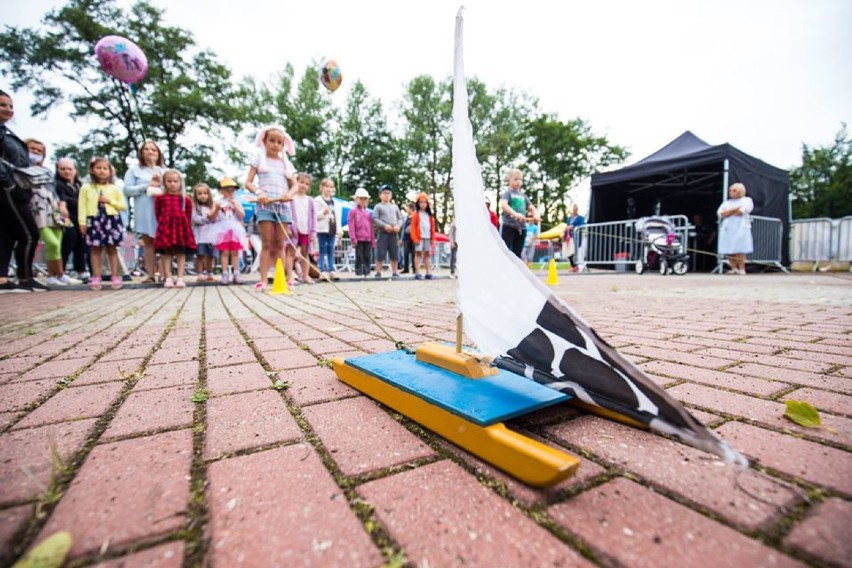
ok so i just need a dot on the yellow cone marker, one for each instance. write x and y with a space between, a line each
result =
552 276
279 283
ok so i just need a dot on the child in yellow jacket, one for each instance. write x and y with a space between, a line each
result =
99 206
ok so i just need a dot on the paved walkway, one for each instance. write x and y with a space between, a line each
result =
204 427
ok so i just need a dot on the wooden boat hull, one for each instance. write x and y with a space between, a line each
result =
465 411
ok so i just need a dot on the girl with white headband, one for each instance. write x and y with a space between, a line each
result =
275 187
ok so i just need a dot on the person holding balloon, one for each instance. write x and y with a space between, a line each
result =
143 182
275 187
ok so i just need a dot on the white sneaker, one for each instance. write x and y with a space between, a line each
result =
65 279
54 281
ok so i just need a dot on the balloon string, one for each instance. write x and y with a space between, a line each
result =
136 109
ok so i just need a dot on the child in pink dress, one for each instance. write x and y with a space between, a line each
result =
230 238
304 225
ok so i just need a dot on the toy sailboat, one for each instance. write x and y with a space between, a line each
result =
541 352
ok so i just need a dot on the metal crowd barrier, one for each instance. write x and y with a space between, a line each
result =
344 255
618 245
766 234
844 240
811 240
821 240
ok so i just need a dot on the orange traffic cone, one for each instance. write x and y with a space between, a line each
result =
279 283
552 276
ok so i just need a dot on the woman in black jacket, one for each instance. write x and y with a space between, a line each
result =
68 188
18 230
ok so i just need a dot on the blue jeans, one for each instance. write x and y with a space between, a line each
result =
326 252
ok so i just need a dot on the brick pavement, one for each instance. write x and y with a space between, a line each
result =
204 427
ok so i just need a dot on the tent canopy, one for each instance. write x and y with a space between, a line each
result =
686 177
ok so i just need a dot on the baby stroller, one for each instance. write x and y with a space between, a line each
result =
661 247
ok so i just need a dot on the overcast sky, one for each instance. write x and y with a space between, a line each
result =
764 75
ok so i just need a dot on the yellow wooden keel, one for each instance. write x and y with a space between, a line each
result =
460 363
521 457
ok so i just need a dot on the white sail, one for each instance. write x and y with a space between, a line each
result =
511 315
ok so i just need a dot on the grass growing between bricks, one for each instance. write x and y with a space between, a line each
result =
392 553
197 511
66 470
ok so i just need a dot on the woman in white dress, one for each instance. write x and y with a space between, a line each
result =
735 239
141 183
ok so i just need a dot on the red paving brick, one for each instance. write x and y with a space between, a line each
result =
107 371
169 375
26 457
743 497
130 351
443 506
635 526
310 385
175 354
152 410
19 364
822 400
58 368
287 496
793 456
231 355
467 523
290 359
237 378
726 380
764 411
826 534
247 420
361 437
276 343
529 496
19 395
72 404
12 521
125 492
169 555
7 418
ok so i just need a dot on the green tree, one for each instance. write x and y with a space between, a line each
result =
822 185
427 142
370 155
560 155
187 94
304 109
498 121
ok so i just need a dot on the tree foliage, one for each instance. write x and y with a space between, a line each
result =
186 90
822 185
560 155
189 105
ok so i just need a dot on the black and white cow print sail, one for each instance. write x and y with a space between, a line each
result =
516 319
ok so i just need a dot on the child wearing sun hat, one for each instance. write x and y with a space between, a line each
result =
360 224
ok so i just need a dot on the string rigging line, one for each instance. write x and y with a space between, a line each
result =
289 242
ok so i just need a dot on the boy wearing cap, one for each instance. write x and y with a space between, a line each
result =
388 220
361 232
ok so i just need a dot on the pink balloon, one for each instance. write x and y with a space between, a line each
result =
121 58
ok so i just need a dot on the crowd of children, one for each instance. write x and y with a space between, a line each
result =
291 226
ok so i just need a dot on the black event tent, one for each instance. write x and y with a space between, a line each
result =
687 177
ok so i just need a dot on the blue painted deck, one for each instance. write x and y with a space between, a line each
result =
482 401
